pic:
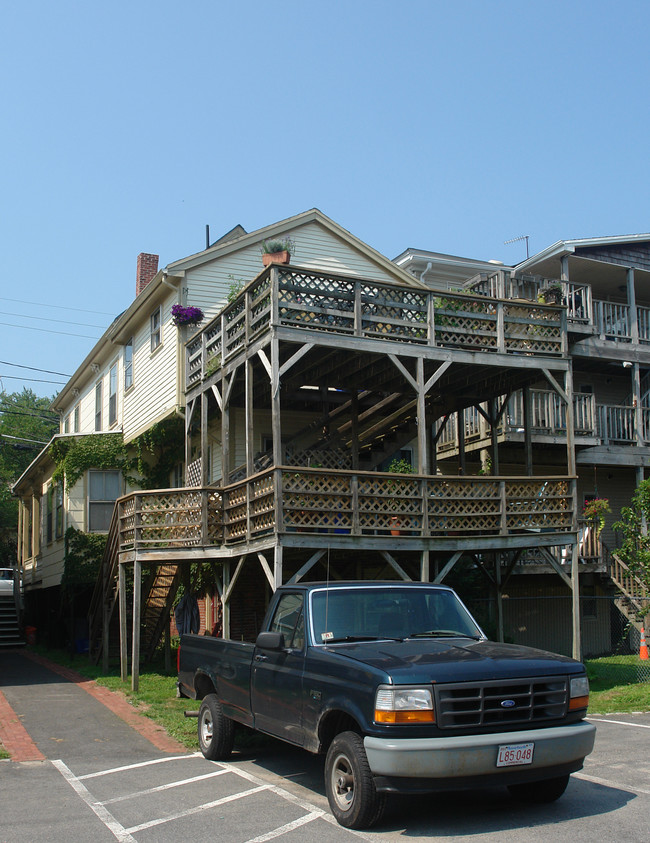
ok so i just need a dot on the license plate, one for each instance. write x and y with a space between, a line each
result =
513 754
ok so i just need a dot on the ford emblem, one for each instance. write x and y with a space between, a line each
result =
507 703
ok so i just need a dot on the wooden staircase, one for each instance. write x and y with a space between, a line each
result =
158 594
633 600
9 629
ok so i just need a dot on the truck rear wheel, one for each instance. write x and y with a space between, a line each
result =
216 731
547 790
349 784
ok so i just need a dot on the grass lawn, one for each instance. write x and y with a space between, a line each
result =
614 688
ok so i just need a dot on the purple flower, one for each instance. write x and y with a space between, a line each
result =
186 315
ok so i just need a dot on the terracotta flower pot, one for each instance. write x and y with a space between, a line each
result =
275 257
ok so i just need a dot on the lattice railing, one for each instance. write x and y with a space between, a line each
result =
306 299
316 500
170 518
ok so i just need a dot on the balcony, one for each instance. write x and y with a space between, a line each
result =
331 503
608 423
341 306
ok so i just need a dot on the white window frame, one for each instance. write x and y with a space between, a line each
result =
90 501
156 329
128 364
112 395
99 399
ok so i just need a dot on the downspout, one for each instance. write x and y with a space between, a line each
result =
422 274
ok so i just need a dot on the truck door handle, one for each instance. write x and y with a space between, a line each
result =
261 658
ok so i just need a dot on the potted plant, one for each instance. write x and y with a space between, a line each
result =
552 294
186 315
398 466
595 511
277 250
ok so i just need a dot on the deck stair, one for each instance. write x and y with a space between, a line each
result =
9 629
633 600
157 596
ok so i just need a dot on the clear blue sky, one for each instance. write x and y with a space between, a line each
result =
449 126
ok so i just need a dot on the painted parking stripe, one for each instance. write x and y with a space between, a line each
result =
134 766
160 787
608 783
115 827
197 809
284 829
620 722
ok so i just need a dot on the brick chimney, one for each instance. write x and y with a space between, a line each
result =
147 268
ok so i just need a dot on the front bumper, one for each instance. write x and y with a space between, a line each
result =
469 756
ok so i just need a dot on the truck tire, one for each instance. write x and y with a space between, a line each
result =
547 790
216 731
349 784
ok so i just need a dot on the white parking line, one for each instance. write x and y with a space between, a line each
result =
189 811
160 787
284 829
609 783
116 828
135 766
619 722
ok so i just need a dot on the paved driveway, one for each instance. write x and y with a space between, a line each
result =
101 780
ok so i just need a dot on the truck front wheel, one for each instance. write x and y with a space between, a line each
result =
216 731
547 790
349 784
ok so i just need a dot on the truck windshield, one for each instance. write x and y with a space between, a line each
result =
380 612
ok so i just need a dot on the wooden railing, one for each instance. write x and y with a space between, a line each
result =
627 581
290 499
336 304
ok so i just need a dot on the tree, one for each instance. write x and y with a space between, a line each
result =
26 424
634 523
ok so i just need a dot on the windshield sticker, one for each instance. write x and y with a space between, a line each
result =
326 636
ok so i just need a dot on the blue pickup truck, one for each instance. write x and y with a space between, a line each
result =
398 686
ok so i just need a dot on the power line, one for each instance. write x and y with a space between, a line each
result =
49 319
31 380
58 306
49 331
29 415
34 369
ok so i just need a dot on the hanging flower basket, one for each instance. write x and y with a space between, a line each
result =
186 315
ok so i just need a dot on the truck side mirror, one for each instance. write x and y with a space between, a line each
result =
270 641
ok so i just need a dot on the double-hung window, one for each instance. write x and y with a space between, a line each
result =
156 330
98 405
103 491
112 395
128 364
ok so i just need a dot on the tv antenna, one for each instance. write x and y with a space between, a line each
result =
517 239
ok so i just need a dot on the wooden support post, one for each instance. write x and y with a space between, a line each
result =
575 602
638 408
423 455
528 439
424 566
225 598
631 300
135 652
225 431
248 413
494 420
205 465
277 565
499 595
460 434
124 652
276 427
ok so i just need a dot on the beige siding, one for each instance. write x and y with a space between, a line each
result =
155 376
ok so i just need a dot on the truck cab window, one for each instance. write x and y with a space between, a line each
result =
288 619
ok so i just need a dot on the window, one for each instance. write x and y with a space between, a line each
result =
112 395
58 511
77 418
98 406
155 330
103 491
128 364
66 424
49 506
288 620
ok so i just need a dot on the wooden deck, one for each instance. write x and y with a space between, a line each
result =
344 503
287 297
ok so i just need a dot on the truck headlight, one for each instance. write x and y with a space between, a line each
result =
404 705
579 694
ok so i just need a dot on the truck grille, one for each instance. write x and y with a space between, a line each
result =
467 704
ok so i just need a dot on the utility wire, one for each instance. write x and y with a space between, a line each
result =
48 331
58 306
34 369
31 380
29 415
49 319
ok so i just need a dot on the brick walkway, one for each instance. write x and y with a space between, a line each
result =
20 746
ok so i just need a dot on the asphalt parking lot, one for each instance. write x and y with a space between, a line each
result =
101 780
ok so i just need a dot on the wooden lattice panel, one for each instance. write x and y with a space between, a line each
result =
538 505
260 307
193 473
394 314
127 522
336 458
317 502
215 517
465 322
317 302
532 329
169 518
390 503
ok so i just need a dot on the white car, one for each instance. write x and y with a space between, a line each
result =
6 580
